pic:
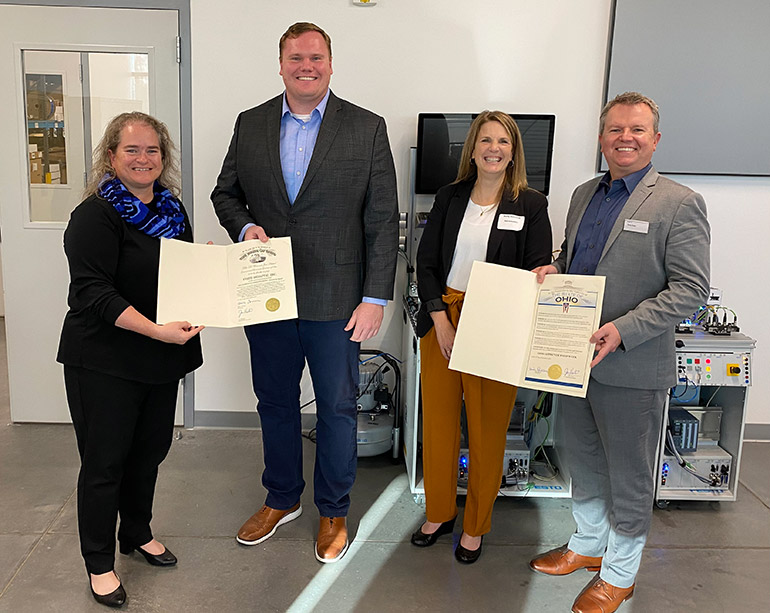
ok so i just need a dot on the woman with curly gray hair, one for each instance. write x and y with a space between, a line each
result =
121 370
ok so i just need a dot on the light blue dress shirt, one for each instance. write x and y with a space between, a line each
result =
298 140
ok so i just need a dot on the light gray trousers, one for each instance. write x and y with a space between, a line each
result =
612 437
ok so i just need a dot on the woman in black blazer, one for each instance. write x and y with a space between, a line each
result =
121 370
487 214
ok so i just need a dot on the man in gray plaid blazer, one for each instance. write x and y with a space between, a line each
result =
318 169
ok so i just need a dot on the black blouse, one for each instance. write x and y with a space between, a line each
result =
112 266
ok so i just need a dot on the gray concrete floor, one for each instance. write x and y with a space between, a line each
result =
701 556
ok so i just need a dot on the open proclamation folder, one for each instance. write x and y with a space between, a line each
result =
515 330
226 286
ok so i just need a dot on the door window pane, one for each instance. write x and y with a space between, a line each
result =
45 129
54 124
119 83
70 98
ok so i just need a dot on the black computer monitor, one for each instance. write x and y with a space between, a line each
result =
440 138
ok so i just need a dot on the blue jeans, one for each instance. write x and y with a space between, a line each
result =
278 354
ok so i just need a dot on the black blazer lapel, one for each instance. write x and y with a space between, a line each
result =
454 219
507 206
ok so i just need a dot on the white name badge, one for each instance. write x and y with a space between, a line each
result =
508 221
634 225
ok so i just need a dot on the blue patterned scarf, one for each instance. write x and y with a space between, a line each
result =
168 222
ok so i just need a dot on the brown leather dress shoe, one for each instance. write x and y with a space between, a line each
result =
563 561
262 525
601 597
332 540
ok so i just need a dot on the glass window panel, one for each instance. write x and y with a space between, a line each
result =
119 83
45 129
53 118
70 98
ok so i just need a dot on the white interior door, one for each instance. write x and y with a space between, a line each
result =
58 66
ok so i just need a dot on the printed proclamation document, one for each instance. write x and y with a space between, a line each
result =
226 286
515 330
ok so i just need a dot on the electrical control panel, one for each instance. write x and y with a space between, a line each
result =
700 368
711 462
714 374
684 429
515 464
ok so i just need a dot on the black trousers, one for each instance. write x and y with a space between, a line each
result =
124 430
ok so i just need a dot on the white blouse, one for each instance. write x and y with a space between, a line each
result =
471 244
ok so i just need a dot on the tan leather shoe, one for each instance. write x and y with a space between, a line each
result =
563 561
601 597
332 540
262 525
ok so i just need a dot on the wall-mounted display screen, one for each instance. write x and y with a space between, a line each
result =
440 138
698 83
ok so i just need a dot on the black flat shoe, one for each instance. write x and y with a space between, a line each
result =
116 598
420 539
468 556
162 559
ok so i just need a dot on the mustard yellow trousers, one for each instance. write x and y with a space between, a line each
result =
488 406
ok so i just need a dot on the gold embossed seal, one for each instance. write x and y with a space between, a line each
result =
273 304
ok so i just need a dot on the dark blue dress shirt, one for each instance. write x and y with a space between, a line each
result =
600 216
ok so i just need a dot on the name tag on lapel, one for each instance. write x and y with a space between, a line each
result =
634 225
508 221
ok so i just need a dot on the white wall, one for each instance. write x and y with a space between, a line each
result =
739 212
400 58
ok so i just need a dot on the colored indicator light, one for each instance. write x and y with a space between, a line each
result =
708 368
689 361
708 361
708 376
697 360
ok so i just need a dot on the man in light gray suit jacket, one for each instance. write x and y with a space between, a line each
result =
318 169
649 237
